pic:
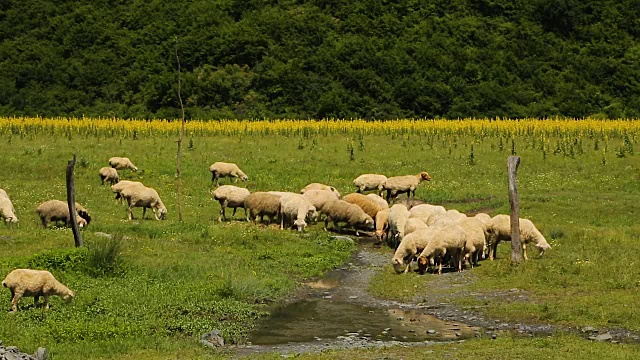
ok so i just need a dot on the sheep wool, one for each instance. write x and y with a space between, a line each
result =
499 229
145 198
261 204
320 198
411 245
476 242
121 185
230 196
367 182
448 239
56 210
109 174
34 283
413 225
380 200
7 211
341 211
425 211
121 163
398 215
318 186
222 169
382 224
368 205
397 185
294 210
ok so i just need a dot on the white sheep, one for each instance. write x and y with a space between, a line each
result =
230 196
382 224
56 210
120 163
367 182
425 211
36 283
499 229
7 211
476 239
398 215
222 169
411 245
450 239
294 210
318 186
367 204
145 198
108 174
397 185
121 185
261 204
414 224
341 211
450 217
380 200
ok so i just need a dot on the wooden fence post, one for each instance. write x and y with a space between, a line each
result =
512 167
71 201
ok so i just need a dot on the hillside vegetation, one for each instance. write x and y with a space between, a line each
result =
321 58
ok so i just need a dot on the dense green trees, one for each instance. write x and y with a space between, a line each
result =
321 58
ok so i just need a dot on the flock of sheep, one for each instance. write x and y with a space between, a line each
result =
425 233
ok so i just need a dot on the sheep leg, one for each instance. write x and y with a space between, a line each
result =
282 222
406 270
36 299
233 215
524 250
46 302
144 212
222 212
440 266
16 299
102 179
326 222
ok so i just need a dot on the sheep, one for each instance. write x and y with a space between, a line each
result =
222 169
413 225
410 202
425 211
36 283
367 182
298 208
476 241
144 197
109 174
342 211
450 217
318 186
230 196
261 204
56 210
380 200
320 198
121 185
499 229
120 163
367 204
397 185
450 239
382 224
485 218
398 215
411 245
7 211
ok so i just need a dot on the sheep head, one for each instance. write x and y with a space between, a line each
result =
423 264
398 265
68 296
425 176
301 224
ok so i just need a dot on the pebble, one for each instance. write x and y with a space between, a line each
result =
354 297
603 337
588 329
431 331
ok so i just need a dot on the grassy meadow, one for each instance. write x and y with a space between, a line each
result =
178 280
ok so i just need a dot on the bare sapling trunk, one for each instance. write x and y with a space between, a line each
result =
71 201
512 166
179 155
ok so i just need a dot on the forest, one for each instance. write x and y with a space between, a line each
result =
295 59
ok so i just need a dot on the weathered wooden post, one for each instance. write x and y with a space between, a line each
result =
179 155
71 201
512 168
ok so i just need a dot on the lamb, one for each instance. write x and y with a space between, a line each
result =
36 283
342 211
7 211
397 185
298 208
230 196
448 239
413 225
120 163
426 211
411 245
109 174
222 169
320 198
56 210
380 200
367 182
368 205
499 229
261 204
398 215
476 242
318 186
410 202
144 197
121 185
382 224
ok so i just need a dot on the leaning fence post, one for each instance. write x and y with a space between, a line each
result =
71 201
512 167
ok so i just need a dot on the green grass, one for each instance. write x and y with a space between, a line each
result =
178 280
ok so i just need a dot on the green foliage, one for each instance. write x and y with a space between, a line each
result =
105 257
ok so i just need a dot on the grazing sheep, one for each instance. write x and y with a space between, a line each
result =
222 169
120 163
410 202
320 198
398 215
145 197
411 245
382 224
259 204
450 217
318 186
380 200
298 208
397 185
367 204
485 218
341 211
7 211
36 283
499 229
425 211
109 174
367 182
414 224
230 196
121 185
476 241
450 239
56 210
